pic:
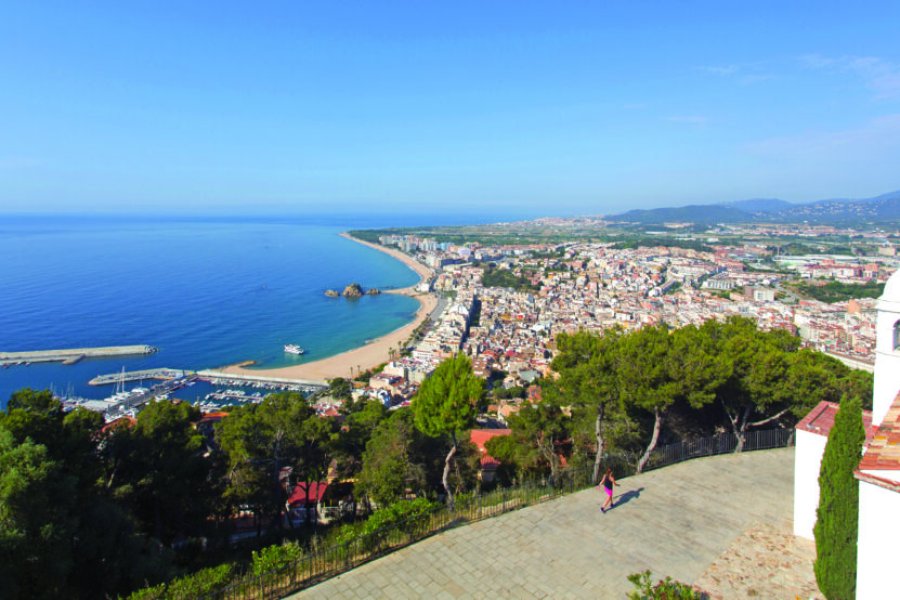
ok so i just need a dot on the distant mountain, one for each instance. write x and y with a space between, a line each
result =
881 208
706 214
762 205
885 207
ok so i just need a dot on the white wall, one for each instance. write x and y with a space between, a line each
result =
807 462
877 563
887 360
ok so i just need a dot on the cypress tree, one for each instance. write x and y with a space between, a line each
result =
838 512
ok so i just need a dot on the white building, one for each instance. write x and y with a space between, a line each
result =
879 470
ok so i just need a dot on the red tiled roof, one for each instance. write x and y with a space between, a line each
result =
213 416
480 437
121 421
883 451
302 495
820 420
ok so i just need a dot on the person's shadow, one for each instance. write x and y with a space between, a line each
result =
626 498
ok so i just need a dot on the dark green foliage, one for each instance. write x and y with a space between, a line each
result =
196 585
160 472
340 388
388 470
445 406
35 524
273 558
405 515
362 420
722 373
445 403
501 393
61 531
539 441
838 512
494 277
259 440
664 589
836 291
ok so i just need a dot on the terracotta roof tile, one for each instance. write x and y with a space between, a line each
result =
479 437
883 451
820 420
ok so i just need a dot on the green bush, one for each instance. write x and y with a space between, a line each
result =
273 558
664 589
195 585
402 516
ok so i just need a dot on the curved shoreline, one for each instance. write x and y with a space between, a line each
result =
369 355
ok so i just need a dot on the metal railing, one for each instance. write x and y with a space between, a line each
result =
723 443
323 562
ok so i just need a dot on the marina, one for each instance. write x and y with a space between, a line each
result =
163 374
237 390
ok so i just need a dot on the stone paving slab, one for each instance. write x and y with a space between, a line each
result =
766 561
675 521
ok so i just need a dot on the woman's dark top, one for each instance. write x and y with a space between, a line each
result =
607 482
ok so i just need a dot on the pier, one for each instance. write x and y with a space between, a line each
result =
72 355
280 382
161 374
133 403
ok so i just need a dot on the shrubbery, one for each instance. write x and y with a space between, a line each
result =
664 589
273 558
195 585
404 515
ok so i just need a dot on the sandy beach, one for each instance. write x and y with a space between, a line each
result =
365 357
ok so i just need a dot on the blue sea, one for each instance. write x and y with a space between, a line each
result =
207 293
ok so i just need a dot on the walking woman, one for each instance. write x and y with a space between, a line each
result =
608 482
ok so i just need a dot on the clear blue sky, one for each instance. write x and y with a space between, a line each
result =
533 107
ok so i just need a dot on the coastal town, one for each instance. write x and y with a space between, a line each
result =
506 304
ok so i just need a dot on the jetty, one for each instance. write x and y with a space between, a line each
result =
261 381
161 374
72 355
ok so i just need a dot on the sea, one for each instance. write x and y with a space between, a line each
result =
205 292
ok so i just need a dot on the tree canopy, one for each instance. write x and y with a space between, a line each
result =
445 406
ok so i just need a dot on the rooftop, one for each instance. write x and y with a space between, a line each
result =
883 450
820 420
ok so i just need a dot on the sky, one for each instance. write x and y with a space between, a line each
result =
526 108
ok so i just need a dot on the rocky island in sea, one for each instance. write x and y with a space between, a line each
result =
353 290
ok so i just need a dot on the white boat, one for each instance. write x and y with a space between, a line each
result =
293 349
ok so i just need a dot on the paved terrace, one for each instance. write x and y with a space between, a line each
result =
722 522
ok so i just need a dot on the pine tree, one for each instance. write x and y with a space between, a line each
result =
838 512
445 406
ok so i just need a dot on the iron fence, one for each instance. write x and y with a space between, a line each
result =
723 443
325 561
